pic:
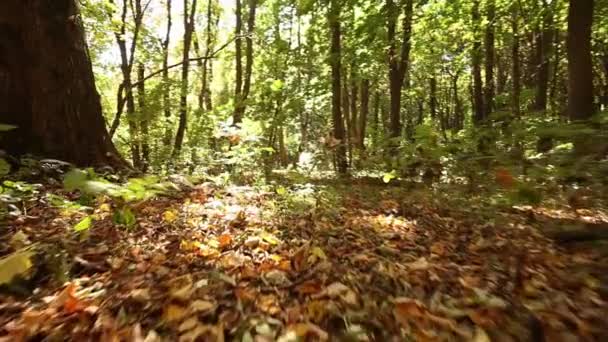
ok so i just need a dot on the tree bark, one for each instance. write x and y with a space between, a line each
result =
433 96
205 101
489 60
165 75
398 64
335 61
478 107
143 118
238 81
364 112
189 16
544 50
53 103
580 66
515 60
354 114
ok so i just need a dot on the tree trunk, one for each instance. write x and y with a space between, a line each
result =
238 80
398 65
166 81
580 66
127 58
544 46
54 104
347 118
489 60
143 117
433 96
605 66
515 60
205 93
183 96
354 114
364 112
478 108
335 61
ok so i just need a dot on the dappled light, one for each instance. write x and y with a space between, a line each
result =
303 170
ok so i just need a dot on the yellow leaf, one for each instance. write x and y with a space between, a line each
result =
105 208
15 264
169 216
174 313
316 253
271 239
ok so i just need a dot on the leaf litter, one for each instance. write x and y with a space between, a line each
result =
216 264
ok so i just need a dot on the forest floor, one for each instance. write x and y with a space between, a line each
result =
348 261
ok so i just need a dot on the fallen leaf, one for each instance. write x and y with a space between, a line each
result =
15 264
140 295
225 240
174 313
188 324
202 306
170 216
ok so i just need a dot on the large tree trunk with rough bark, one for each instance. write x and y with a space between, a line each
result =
47 88
580 65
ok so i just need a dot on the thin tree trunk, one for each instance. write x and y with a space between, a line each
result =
248 57
166 81
544 47
335 60
515 60
489 60
354 115
347 117
478 107
433 97
144 117
127 58
205 93
189 16
398 64
364 112
238 80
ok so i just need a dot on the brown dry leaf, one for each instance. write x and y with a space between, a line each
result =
188 324
438 248
245 294
419 265
309 287
202 306
140 295
268 304
302 331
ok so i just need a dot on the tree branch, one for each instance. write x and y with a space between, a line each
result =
196 59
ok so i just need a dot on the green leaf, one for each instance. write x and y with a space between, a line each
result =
389 176
84 224
281 191
5 127
124 216
15 264
74 179
5 167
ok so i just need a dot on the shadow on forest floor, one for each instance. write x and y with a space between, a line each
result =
338 261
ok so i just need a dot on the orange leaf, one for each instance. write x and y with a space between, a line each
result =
225 240
308 287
